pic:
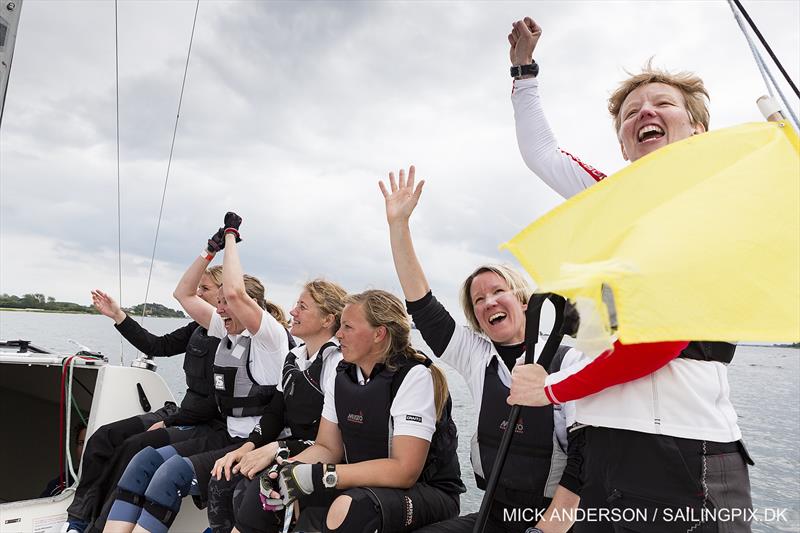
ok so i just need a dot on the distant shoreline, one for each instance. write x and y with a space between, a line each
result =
64 312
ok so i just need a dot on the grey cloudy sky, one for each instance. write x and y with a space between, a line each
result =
292 112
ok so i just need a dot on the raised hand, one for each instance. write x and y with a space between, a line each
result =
401 198
524 35
107 306
232 223
216 242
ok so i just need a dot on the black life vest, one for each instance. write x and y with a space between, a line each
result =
302 394
529 463
238 394
721 352
365 422
198 363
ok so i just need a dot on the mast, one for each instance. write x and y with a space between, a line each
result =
9 20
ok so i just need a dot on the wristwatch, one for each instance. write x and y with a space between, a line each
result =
524 70
533 530
283 450
329 478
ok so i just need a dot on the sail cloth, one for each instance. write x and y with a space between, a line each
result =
699 240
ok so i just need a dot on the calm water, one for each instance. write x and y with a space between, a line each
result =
765 384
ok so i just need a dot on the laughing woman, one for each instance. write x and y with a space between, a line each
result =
246 370
494 299
385 455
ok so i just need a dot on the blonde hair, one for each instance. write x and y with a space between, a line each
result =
329 297
255 290
215 273
688 83
516 283
385 309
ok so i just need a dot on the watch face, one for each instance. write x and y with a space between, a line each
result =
329 480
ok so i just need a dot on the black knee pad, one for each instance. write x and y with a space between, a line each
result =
364 515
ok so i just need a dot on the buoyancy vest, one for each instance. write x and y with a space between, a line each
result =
529 467
238 394
721 352
302 394
366 422
198 363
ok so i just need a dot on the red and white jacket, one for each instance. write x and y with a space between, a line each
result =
641 387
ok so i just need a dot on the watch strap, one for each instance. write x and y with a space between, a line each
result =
525 70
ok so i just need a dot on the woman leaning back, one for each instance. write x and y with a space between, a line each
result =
247 364
385 455
296 406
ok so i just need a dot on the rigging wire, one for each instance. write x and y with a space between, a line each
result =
119 192
169 161
766 75
766 45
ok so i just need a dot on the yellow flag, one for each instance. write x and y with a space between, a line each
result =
699 240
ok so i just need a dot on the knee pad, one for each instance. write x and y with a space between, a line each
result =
171 482
364 515
140 471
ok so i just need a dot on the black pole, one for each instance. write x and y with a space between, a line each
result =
766 45
532 316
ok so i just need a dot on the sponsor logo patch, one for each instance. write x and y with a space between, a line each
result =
356 418
219 381
414 418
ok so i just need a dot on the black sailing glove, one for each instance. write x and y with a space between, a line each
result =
217 241
232 223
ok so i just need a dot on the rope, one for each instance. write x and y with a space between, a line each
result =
169 161
119 192
769 80
766 45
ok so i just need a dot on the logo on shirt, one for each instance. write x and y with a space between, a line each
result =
519 428
219 381
356 418
413 418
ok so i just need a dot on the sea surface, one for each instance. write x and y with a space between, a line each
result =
765 385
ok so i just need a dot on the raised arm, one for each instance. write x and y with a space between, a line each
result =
186 291
246 309
173 343
560 170
401 198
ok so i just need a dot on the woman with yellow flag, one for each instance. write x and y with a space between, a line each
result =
662 451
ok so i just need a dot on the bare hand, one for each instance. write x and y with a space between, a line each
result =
225 463
527 386
157 425
524 35
107 306
403 197
257 460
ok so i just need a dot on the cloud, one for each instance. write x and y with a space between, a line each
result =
293 111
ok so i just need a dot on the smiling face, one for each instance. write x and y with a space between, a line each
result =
653 115
232 326
499 312
307 318
360 342
208 290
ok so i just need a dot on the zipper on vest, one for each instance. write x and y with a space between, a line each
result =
656 412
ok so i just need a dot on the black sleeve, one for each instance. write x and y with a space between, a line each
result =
271 423
571 478
433 322
153 345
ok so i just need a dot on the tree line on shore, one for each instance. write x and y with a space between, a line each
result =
41 302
